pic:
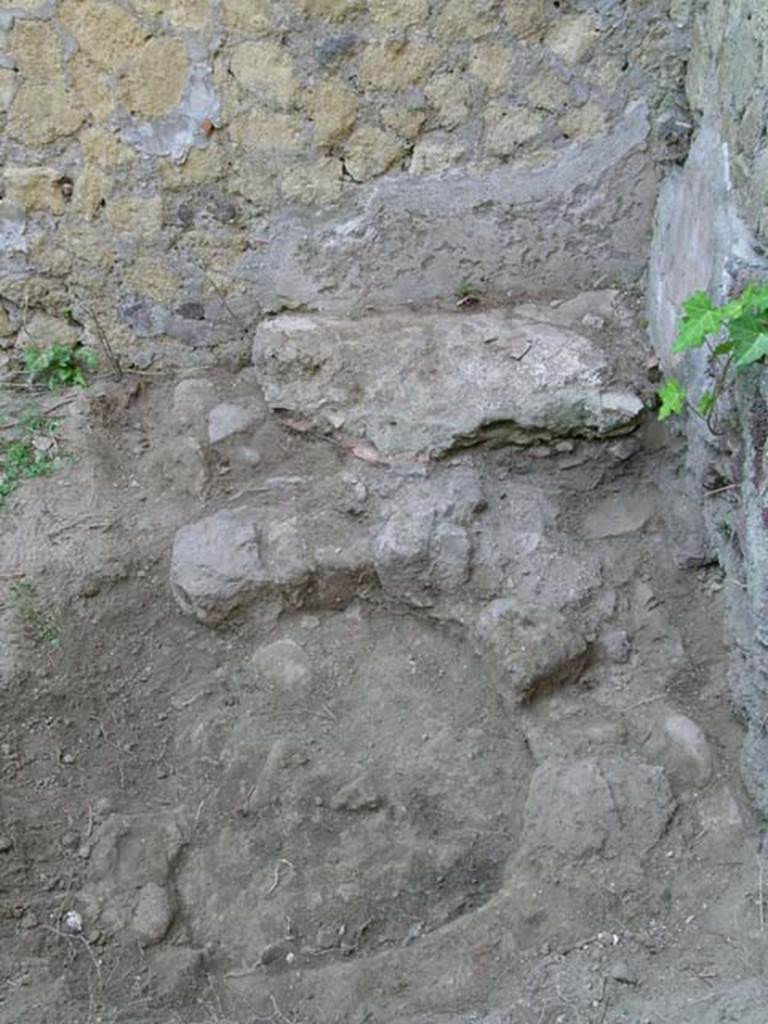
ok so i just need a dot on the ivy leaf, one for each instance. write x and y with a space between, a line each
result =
743 333
733 309
700 320
706 403
724 348
672 395
755 352
755 298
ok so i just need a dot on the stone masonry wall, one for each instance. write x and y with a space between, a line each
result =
711 233
727 78
713 216
178 168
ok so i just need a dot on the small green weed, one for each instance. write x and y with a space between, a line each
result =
741 325
725 528
467 293
39 624
60 366
31 453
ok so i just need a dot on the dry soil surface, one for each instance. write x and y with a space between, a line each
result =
295 730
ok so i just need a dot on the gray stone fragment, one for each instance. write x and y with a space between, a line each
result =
436 382
193 399
227 560
246 455
615 645
720 815
618 515
278 953
131 850
129 873
679 744
228 420
360 794
283 667
180 463
684 525
357 501
327 937
424 547
598 303
40 328
530 650
176 133
72 923
417 556
297 545
152 914
13 227
690 755
622 972
570 809
607 807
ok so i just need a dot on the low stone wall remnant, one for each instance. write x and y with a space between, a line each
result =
178 169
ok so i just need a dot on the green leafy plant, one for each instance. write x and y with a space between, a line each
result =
737 336
672 396
60 366
32 452
25 601
467 293
725 528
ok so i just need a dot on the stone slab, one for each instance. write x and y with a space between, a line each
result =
415 383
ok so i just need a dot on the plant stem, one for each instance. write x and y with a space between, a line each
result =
109 355
719 385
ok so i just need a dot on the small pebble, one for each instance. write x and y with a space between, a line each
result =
84 852
72 923
103 807
327 937
593 322
336 419
6 844
621 971
249 455
616 646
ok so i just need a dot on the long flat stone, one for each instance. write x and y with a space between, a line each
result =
414 383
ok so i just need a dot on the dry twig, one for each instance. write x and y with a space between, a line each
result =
276 880
103 340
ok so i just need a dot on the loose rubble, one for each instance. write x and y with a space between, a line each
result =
381 723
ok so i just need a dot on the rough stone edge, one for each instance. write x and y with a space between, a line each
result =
701 242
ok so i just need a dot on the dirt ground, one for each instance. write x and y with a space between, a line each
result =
477 766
